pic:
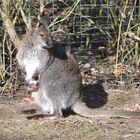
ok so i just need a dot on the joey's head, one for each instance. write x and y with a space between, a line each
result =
41 36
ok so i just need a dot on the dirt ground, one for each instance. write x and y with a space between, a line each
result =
15 109
14 124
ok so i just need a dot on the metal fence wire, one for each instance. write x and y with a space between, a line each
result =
93 23
98 27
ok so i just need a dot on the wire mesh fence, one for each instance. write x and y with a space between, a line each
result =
107 33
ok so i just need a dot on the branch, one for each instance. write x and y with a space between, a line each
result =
8 24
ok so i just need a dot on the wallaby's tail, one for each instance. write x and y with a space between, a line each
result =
82 110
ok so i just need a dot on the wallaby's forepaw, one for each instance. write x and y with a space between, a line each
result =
33 82
32 88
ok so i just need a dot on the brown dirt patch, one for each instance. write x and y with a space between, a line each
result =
15 126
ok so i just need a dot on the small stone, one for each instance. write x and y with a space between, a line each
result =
87 65
93 71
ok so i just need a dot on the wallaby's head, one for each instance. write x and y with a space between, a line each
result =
41 36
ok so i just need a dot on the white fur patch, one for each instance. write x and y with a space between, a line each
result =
31 64
48 106
30 68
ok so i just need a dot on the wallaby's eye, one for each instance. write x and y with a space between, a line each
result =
41 34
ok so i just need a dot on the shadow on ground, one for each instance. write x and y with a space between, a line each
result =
94 95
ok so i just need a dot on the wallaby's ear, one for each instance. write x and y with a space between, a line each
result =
40 23
37 22
45 20
34 22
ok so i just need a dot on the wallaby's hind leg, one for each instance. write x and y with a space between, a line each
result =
48 108
43 102
53 112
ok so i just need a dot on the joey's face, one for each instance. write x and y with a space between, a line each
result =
41 38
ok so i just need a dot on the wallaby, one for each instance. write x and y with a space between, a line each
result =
31 56
59 77
60 88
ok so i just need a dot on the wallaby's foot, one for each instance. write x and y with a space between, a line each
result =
59 113
52 113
